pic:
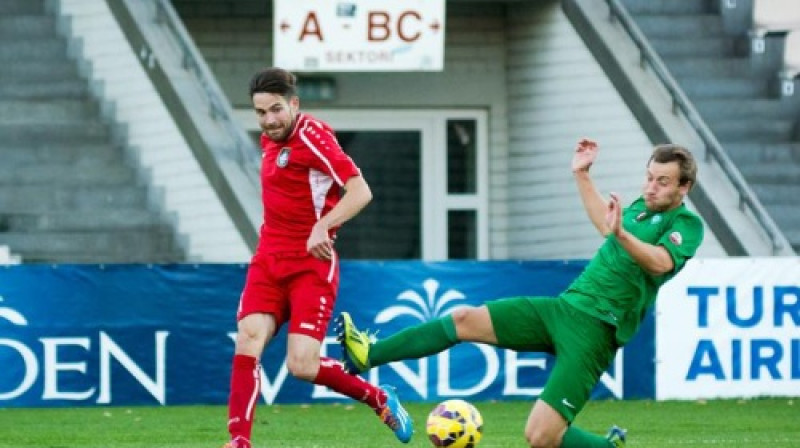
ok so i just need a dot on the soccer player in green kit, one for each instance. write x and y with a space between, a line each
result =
646 244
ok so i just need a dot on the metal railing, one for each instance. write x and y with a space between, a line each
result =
682 104
244 150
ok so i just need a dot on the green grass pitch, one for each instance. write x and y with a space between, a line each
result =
773 423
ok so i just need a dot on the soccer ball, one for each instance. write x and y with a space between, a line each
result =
454 424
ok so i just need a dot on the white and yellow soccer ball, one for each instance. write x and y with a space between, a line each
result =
454 424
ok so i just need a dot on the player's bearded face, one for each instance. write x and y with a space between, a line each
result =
275 114
662 190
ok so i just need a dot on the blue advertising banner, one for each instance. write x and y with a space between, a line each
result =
730 328
75 335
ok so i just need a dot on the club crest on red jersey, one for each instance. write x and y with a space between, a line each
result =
283 157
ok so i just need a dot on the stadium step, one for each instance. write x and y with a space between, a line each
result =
67 191
46 110
667 7
734 92
57 88
59 175
773 108
60 153
719 68
26 26
715 46
88 199
748 153
75 220
32 49
685 26
21 7
700 86
772 173
29 133
783 194
39 70
785 214
786 218
145 245
793 235
761 129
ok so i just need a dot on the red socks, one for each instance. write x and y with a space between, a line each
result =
245 388
332 375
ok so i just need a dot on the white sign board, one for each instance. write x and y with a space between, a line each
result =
728 328
359 35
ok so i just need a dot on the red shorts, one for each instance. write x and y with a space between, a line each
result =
293 287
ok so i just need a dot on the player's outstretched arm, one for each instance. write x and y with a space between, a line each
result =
594 203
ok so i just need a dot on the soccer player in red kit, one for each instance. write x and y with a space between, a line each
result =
294 274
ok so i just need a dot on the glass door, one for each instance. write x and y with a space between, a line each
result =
390 227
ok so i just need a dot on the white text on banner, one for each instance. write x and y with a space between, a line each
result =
730 328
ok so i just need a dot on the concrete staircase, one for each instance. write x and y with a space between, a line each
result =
68 194
735 94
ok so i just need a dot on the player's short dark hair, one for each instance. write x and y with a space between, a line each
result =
274 80
670 152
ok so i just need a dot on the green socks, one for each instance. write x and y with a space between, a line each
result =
578 438
438 335
415 342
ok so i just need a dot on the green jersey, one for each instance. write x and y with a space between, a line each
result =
613 287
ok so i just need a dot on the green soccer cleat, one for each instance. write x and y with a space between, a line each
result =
355 345
616 436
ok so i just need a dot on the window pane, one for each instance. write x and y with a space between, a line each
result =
462 160
390 226
462 234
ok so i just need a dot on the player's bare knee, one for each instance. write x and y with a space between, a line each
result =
539 440
302 367
249 335
462 316
538 437
472 325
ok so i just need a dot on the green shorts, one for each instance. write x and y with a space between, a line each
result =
584 346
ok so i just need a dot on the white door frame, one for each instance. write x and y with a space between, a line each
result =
436 202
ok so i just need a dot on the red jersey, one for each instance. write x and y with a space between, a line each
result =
301 180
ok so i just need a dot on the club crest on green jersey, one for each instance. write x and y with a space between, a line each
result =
283 157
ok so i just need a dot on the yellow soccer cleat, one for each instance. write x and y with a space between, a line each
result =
355 344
